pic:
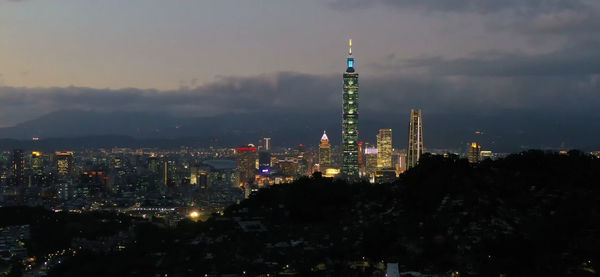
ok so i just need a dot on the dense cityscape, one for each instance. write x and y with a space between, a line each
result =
343 203
168 187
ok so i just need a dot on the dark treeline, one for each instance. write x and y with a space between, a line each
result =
531 214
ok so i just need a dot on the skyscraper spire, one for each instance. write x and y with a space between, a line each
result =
350 119
350 47
324 153
324 137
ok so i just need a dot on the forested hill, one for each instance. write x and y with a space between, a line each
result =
530 214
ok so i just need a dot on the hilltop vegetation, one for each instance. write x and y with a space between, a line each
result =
530 214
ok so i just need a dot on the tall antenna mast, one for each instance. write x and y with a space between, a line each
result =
350 47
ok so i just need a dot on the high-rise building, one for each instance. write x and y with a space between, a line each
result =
201 179
400 162
194 172
385 175
474 152
350 120
264 162
18 167
361 159
64 162
324 151
415 138
370 162
246 164
288 167
267 146
169 171
153 164
37 168
384 148
37 163
487 154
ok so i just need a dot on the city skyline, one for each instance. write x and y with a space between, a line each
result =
181 138
527 60
235 138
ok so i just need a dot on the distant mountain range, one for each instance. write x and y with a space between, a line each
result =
507 132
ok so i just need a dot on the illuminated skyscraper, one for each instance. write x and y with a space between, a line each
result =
267 146
486 154
18 166
415 138
324 151
350 120
474 152
370 162
64 162
246 164
384 148
169 171
37 163
361 159
199 177
400 162
153 164
264 162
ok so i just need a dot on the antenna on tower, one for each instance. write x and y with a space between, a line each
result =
350 47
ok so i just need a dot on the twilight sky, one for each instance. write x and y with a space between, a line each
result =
215 57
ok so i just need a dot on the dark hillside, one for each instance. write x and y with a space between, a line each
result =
530 214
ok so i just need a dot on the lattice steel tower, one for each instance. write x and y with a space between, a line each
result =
415 138
350 120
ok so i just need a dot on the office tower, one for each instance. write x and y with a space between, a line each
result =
18 166
384 148
153 164
474 153
37 169
169 172
199 177
267 146
400 163
350 120
193 175
64 162
415 138
385 175
370 161
324 151
264 162
361 159
37 163
486 154
305 165
246 164
288 167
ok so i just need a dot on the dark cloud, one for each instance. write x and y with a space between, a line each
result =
561 82
566 21
480 6
566 80
575 60
299 106
572 18
490 90
279 91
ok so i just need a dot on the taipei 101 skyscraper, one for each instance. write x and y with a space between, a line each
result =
350 120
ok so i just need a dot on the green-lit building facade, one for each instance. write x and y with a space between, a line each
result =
350 120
